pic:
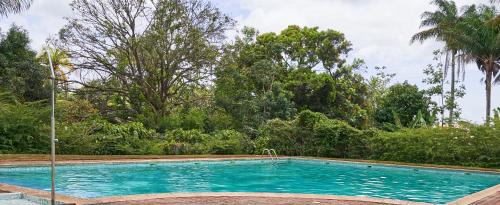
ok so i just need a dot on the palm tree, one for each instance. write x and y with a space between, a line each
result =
13 6
480 39
440 23
60 61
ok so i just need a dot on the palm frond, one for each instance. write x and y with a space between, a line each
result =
425 35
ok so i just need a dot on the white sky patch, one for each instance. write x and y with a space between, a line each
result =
379 30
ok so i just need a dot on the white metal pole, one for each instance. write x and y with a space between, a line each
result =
52 133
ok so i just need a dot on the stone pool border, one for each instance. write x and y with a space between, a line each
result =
140 197
470 199
478 197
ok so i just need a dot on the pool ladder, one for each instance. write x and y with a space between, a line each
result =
271 153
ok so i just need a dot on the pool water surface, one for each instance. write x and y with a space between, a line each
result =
282 176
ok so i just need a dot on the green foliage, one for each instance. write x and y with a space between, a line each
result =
470 146
218 119
187 136
436 79
311 134
22 127
280 135
479 38
185 142
341 94
402 103
311 91
270 75
20 73
196 142
332 138
99 137
194 119
230 142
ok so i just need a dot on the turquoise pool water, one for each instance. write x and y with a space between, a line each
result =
283 176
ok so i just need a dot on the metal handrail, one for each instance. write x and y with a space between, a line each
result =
270 153
274 152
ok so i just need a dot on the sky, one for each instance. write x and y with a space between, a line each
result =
378 29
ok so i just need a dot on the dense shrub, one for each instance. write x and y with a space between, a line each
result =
469 146
22 126
332 139
72 111
185 142
196 142
311 134
187 136
308 119
218 119
229 142
400 104
280 135
100 137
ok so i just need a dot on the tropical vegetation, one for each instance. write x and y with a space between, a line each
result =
163 78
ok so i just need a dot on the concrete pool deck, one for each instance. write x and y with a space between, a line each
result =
490 196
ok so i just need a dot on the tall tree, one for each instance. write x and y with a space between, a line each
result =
260 73
13 6
480 40
437 85
20 73
441 25
157 50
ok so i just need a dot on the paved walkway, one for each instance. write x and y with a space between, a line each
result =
241 201
490 200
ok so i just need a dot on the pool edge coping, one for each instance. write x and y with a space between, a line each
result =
476 197
141 197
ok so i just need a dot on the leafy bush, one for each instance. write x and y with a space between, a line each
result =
74 111
308 119
194 119
23 126
229 142
332 139
400 104
218 119
311 134
185 142
280 135
100 137
469 146
187 136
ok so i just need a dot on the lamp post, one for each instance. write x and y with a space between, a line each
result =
52 133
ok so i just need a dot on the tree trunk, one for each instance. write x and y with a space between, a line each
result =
452 89
489 76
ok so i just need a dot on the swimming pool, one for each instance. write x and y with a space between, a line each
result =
282 176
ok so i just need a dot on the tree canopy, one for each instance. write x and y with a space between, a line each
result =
20 73
156 52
